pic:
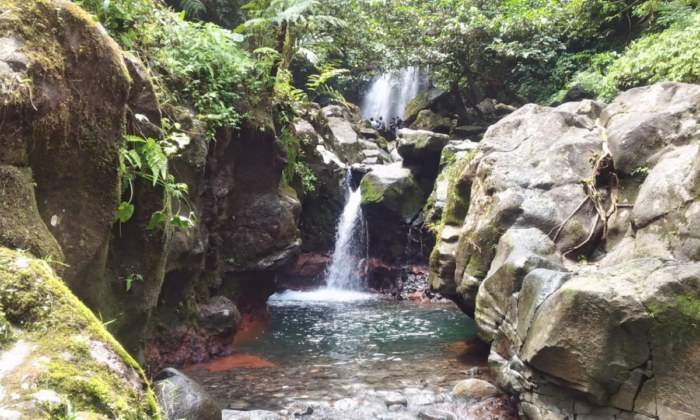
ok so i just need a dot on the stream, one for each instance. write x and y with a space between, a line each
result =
348 352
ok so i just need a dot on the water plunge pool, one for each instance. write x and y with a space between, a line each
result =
332 345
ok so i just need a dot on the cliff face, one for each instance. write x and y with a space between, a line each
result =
69 97
547 191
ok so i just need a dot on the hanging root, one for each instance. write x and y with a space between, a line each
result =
602 167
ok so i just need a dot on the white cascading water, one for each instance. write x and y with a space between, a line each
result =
344 271
343 276
389 94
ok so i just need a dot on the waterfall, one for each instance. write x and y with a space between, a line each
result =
350 246
389 94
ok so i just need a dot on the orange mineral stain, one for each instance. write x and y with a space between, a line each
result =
230 362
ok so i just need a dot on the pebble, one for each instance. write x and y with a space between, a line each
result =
239 405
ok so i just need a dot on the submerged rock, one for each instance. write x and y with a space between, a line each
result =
250 415
474 388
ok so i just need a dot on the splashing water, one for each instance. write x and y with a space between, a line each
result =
389 94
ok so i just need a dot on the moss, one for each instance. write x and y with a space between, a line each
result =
430 204
417 104
370 193
447 158
676 321
428 120
20 222
381 141
61 329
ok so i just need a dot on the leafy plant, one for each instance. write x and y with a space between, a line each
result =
121 18
192 7
148 159
132 278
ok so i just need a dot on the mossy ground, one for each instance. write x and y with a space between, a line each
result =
62 332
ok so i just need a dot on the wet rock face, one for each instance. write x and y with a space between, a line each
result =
256 217
604 340
183 398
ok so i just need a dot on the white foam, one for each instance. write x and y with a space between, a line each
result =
321 295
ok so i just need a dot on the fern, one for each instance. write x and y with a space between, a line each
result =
192 7
148 159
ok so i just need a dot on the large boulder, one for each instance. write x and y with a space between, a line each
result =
634 348
394 189
55 354
323 205
63 130
421 145
616 339
430 121
391 201
438 101
345 139
519 179
642 121
183 398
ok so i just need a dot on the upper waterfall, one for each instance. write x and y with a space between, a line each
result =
389 94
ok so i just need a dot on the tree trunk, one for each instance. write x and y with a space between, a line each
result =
279 47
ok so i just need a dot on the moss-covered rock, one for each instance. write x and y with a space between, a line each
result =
394 188
21 226
436 100
429 120
391 201
60 353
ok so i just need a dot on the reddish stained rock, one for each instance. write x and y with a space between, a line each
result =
186 346
225 363
307 273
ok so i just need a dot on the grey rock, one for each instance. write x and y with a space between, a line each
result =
395 398
645 120
181 397
419 145
392 190
219 313
249 415
518 253
474 389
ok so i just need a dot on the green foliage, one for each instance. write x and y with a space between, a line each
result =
307 176
121 18
204 65
192 7
132 278
670 55
148 159
642 171
195 63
